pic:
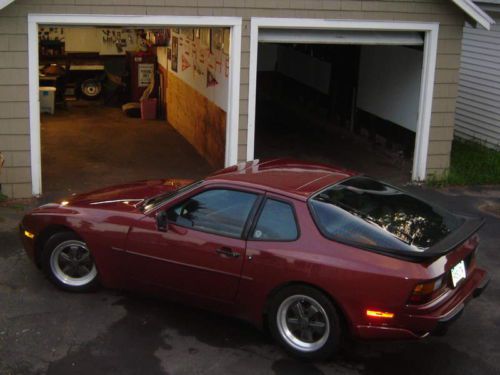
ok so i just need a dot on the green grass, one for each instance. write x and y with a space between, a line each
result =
471 164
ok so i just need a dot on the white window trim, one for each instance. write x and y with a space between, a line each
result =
34 20
427 84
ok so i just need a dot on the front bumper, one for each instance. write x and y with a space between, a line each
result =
420 321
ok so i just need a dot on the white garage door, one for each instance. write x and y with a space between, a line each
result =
276 35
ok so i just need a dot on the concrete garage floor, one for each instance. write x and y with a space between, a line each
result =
285 130
90 146
44 330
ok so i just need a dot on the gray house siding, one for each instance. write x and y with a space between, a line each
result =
478 101
14 111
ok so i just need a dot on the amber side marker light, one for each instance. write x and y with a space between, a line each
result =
29 234
379 314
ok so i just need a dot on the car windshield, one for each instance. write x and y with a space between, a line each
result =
366 212
158 200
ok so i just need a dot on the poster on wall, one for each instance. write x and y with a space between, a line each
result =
145 74
195 65
175 53
205 38
185 62
211 81
216 40
188 33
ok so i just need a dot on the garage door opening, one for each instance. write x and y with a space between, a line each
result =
350 93
121 102
355 106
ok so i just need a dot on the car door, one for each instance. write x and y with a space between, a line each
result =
203 248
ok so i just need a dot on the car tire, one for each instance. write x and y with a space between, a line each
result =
305 322
68 263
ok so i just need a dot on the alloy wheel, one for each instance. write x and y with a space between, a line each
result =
72 264
303 323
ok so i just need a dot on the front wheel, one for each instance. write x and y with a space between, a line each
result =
305 322
68 263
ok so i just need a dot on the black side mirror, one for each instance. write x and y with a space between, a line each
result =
162 221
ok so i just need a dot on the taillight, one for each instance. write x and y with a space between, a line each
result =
425 292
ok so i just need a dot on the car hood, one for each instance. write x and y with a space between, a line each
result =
130 194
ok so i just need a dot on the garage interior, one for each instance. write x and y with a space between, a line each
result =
346 98
120 104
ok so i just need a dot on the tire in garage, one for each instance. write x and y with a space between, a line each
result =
91 89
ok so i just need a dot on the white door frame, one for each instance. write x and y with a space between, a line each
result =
34 20
427 84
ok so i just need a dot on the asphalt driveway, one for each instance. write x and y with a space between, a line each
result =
44 330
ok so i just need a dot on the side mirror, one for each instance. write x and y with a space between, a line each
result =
162 221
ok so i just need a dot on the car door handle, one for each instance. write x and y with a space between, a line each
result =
227 252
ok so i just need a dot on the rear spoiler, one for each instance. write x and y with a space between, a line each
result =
470 226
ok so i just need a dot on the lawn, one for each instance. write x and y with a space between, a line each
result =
471 164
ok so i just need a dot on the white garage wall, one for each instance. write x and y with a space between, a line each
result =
306 69
81 39
91 39
389 83
195 61
299 66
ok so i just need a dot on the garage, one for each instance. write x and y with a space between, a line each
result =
341 95
123 102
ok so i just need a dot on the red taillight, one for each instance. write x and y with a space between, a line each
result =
425 292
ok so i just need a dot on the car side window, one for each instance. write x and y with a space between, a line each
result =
276 222
218 211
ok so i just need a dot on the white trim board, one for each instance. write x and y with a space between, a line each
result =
430 31
34 20
4 3
475 12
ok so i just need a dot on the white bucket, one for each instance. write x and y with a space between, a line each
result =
47 99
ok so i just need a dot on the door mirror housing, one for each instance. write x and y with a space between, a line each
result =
162 221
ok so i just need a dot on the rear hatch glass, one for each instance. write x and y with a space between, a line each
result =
367 213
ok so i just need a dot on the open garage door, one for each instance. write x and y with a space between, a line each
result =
355 94
115 99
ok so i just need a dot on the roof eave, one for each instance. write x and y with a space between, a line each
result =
468 6
4 3
475 12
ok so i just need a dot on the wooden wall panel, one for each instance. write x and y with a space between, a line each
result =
197 119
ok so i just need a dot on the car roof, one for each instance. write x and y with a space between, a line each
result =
285 176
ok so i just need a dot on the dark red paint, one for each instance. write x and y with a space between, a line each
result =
131 253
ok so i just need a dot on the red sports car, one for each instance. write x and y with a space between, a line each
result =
309 251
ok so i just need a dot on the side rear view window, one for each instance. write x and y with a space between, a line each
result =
276 223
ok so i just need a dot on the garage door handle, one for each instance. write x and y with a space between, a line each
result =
227 252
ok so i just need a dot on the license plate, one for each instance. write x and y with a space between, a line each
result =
458 273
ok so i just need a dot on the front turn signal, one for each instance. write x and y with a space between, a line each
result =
29 234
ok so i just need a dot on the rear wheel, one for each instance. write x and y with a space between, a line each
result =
68 263
305 322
